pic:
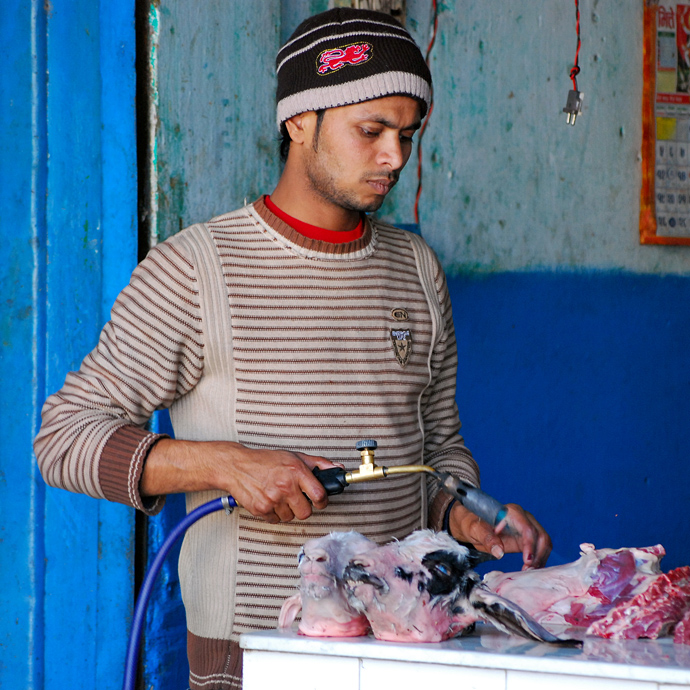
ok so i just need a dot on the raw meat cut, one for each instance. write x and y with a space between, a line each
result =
421 589
583 591
326 611
681 633
651 613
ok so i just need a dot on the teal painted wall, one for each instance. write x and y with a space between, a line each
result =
508 186
215 133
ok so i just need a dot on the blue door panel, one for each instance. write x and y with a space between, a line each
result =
69 244
21 492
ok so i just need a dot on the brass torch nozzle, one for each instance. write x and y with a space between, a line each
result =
369 471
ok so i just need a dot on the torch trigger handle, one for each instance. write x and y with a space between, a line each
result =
333 479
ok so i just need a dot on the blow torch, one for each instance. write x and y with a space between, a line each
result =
335 480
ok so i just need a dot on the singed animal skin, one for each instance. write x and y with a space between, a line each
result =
421 589
326 611
405 588
613 593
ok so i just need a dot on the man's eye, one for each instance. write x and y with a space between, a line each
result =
369 133
406 138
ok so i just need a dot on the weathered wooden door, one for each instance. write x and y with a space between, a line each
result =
68 219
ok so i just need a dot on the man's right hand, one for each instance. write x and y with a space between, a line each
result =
276 485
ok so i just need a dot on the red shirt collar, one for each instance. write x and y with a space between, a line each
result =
312 231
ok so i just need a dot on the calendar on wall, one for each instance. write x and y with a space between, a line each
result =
665 197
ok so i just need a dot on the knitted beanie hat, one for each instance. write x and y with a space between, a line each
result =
346 56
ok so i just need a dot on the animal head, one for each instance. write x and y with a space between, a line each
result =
425 562
325 609
410 589
423 589
322 562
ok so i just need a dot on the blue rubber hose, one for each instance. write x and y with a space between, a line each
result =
224 503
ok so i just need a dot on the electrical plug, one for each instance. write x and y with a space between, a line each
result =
573 106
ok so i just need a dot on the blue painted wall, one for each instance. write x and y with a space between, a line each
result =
574 392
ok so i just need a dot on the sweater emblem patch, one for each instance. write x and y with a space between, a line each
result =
402 345
336 58
400 314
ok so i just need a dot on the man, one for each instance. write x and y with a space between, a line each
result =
273 335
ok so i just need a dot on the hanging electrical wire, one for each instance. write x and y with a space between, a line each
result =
434 22
573 106
576 67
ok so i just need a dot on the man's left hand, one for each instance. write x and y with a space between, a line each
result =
519 532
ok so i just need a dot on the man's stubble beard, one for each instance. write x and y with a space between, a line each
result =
324 184
322 175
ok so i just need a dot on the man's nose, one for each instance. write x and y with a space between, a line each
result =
391 154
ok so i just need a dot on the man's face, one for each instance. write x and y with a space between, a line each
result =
357 153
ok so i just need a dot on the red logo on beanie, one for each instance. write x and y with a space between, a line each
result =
336 58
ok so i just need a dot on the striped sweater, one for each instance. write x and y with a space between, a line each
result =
297 350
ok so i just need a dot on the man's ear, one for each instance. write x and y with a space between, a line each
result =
301 127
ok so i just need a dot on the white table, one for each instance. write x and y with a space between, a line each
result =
485 660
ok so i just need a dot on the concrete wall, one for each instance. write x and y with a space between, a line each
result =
574 377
